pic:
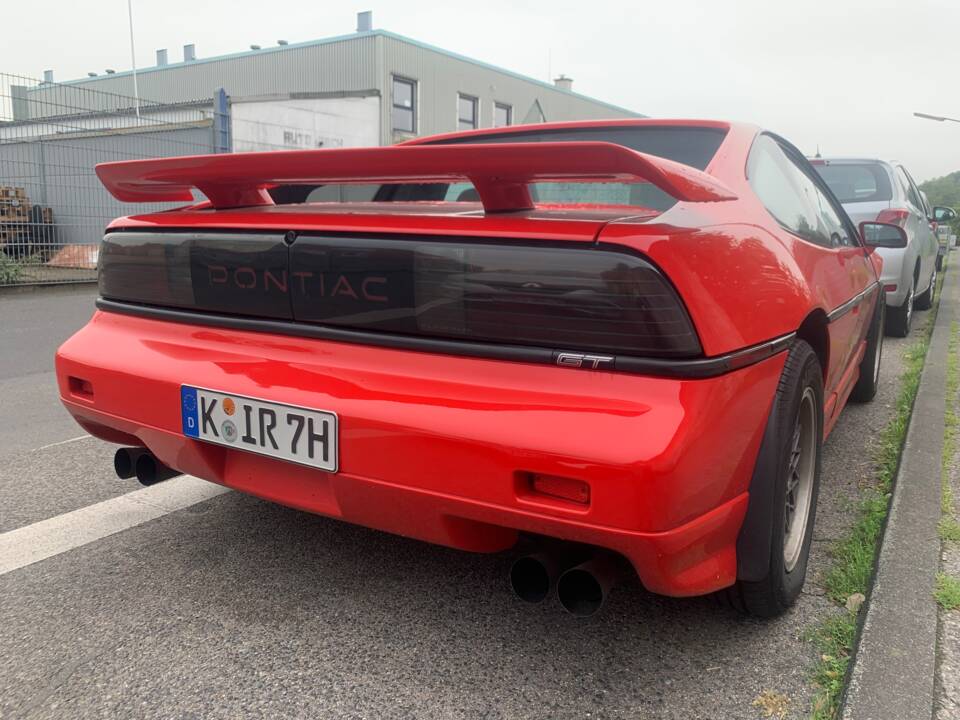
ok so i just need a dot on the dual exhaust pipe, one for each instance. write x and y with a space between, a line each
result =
583 581
139 462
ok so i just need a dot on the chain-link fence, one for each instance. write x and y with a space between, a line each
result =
53 209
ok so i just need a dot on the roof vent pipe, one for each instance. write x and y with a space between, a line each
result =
48 76
255 47
563 83
365 21
189 52
282 42
161 57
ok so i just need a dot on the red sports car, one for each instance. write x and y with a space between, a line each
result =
621 340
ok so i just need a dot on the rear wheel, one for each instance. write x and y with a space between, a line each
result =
798 429
925 300
900 318
866 387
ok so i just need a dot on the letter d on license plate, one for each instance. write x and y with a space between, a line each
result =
287 432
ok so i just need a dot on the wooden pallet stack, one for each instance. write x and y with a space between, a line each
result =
23 226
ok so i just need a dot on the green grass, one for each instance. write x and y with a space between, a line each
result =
949 529
833 640
853 555
947 592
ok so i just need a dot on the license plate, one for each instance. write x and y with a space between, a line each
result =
287 432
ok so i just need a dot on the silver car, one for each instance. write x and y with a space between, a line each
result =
875 190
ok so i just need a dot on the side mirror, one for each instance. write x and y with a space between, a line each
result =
944 214
883 235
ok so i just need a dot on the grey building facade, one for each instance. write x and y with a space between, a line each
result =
368 88
417 89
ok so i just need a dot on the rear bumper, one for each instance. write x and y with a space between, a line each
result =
441 448
893 275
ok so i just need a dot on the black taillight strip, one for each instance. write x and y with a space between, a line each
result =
697 368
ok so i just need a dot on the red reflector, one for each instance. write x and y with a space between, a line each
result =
79 386
889 288
559 487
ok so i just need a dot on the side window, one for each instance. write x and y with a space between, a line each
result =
832 222
788 194
792 196
908 188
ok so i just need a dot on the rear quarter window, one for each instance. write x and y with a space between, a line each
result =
853 183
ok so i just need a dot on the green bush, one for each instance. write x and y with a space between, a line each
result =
10 269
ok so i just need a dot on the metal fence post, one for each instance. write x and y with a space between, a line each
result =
222 142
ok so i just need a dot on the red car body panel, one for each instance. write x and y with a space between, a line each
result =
441 448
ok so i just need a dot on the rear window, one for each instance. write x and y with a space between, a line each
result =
860 182
693 146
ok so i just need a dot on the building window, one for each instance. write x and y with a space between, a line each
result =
502 115
466 112
404 105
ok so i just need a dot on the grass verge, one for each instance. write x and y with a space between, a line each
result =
853 556
947 592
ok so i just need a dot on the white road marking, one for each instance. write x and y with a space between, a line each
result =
62 442
48 538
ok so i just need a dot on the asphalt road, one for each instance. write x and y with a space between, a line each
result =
236 608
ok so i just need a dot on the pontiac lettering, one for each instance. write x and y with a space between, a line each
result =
371 288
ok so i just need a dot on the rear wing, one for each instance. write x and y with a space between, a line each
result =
501 172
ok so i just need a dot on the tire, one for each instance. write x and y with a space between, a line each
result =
866 387
900 318
925 301
798 440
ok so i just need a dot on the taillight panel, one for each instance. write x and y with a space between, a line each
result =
597 299
578 298
894 217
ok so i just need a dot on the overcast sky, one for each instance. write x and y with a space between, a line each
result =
842 74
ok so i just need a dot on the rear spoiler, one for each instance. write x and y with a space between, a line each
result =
501 172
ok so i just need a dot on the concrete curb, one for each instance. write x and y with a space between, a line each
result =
895 664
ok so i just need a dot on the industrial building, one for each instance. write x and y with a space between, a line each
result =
372 87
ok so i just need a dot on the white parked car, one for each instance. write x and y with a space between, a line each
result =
875 190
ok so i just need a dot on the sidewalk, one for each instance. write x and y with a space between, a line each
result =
895 667
948 660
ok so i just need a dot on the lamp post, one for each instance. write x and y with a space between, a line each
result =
133 60
937 118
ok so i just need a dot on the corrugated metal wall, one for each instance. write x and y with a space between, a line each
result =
352 63
344 65
57 172
441 76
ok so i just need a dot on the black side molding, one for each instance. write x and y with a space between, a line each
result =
850 304
686 369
